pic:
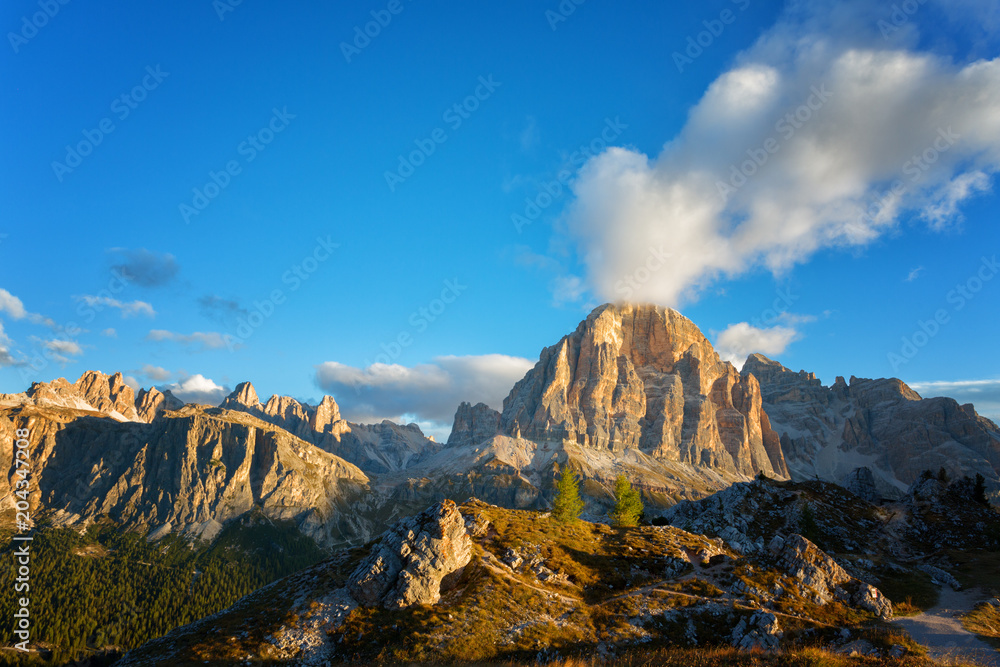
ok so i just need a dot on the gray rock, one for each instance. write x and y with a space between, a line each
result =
759 631
861 483
412 558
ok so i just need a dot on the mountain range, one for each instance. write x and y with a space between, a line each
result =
635 389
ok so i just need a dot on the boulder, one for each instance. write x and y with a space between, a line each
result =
759 632
409 562
809 564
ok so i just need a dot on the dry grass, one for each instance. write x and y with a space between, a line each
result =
984 621
713 657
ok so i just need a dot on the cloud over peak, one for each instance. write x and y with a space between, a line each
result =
823 134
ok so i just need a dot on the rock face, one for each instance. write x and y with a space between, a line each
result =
244 396
758 632
645 377
474 424
93 392
412 558
826 579
806 562
880 424
108 393
151 402
188 472
375 448
861 483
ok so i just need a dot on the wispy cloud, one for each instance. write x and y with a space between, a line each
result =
6 357
914 274
154 373
14 307
59 350
205 340
127 308
226 312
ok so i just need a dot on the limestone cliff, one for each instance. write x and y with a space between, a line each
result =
646 378
880 424
188 472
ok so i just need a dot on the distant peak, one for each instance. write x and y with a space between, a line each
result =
244 395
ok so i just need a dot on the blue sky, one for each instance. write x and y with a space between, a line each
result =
255 152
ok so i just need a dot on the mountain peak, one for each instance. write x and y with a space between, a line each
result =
644 376
243 396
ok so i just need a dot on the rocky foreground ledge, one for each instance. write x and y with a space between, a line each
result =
478 582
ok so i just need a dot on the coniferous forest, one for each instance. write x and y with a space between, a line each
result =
109 590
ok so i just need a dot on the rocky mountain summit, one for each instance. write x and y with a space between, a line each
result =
375 448
644 377
95 392
880 424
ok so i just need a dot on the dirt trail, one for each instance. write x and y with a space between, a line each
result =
940 630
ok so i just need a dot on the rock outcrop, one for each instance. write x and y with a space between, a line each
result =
880 424
474 424
108 394
412 558
93 392
826 579
149 403
758 632
244 397
861 483
375 448
810 565
645 377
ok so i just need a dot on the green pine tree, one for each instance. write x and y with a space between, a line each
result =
567 506
979 490
628 504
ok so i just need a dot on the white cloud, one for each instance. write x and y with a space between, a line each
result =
825 173
110 333
127 308
64 347
426 393
197 389
914 274
11 305
14 307
530 135
60 349
742 339
565 287
206 340
6 358
984 394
